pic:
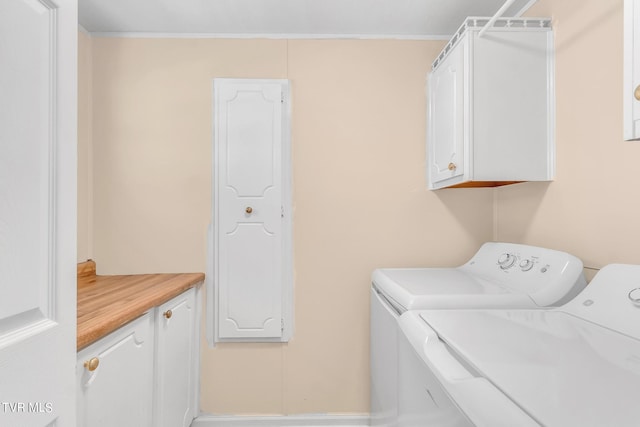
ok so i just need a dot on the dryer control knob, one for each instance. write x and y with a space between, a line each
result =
526 265
506 261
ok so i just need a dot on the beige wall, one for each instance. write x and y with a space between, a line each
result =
359 193
85 163
592 208
360 198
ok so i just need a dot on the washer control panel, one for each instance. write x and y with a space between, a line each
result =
524 263
546 275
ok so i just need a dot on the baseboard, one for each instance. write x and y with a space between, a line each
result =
315 420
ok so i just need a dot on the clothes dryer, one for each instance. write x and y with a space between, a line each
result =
499 275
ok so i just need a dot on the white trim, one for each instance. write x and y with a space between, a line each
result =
479 23
282 421
277 36
287 212
551 99
83 30
210 293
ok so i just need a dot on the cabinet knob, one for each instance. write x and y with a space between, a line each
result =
168 314
249 209
452 166
92 364
636 93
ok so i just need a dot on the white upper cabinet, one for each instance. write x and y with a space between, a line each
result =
491 106
631 92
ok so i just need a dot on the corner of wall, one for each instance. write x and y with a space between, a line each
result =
85 145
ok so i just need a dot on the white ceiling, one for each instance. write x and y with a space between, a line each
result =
288 18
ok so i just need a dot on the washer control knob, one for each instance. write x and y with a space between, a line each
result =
526 265
634 296
506 261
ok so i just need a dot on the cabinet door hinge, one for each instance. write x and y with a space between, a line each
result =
281 325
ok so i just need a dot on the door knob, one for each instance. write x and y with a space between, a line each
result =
452 166
92 364
636 93
168 314
249 209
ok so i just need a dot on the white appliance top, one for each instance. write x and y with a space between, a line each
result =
577 365
498 275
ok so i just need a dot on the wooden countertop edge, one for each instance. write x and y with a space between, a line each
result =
134 296
86 269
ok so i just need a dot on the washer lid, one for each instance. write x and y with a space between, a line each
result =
435 288
560 369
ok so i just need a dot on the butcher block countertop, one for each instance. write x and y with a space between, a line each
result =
106 303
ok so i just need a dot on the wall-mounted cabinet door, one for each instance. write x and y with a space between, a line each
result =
631 91
446 121
251 208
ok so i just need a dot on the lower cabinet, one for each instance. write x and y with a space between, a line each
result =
176 362
145 373
115 378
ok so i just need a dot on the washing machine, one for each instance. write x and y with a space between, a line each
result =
574 365
499 275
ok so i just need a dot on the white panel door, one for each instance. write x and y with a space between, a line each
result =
249 207
446 118
38 84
